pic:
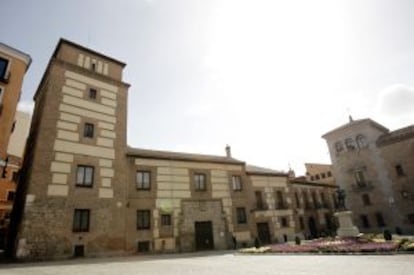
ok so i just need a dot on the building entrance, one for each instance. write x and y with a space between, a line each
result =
204 235
263 232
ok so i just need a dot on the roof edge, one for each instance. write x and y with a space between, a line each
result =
17 54
73 44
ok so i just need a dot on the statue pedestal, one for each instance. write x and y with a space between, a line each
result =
346 226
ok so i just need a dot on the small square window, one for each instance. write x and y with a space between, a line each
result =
166 220
399 170
92 93
88 130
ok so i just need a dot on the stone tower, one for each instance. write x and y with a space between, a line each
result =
71 197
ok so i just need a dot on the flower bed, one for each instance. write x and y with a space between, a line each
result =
334 245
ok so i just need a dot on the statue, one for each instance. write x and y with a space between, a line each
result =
340 195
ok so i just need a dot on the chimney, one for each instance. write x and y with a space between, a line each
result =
228 151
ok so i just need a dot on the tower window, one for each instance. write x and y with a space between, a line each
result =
81 220
350 145
366 200
84 176
3 68
88 130
399 170
200 182
92 93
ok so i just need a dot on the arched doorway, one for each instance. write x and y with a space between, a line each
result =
312 227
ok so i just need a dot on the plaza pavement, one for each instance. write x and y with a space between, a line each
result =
226 262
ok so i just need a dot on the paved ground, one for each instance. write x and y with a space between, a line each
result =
223 263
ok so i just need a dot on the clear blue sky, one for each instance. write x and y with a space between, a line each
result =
267 77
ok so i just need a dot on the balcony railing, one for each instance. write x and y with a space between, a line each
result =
362 186
281 206
260 206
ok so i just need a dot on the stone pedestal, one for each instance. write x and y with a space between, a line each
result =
346 226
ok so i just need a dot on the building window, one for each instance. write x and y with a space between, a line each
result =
317 177
3 68
400 171
297 200
143 219
81 220
329 174
165 220
200 182
241 215
280 203
366 200
15 176
315 200
93 66
88 130
380 219
259 200
360 178
283 222
92 93
350 145
364 221
301 223
236 183
10 195
361 141
1 94
143 180
84 176
339 147
323 175
312 178
323 200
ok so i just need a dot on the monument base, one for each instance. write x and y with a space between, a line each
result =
346 226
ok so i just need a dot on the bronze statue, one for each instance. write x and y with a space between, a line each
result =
340 195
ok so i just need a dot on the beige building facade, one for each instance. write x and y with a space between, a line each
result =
375 167
86 193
